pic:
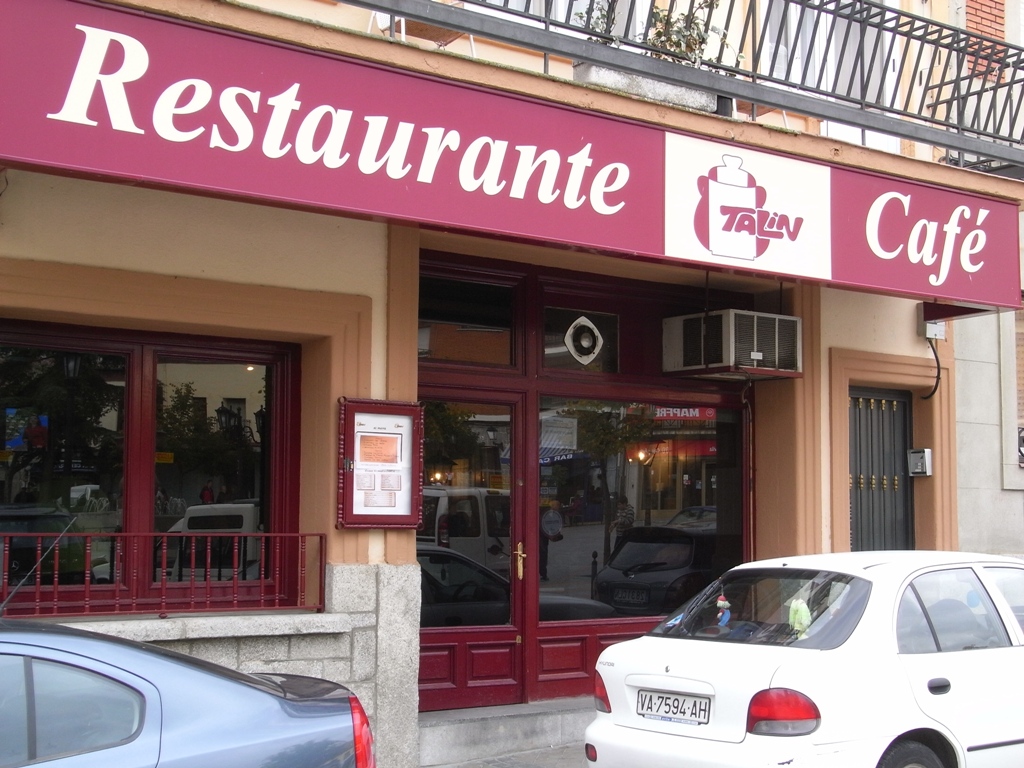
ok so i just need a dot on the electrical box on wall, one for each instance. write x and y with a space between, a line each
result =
919 462
930 329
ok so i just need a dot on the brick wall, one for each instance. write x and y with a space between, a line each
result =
987 17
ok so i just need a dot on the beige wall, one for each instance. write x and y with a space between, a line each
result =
871 322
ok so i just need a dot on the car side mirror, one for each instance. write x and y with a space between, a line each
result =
494 549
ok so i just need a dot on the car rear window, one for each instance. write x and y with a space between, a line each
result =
781 606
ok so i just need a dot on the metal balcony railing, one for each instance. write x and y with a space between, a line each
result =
855 62
154 573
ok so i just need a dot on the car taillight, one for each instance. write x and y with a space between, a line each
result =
442 531
601 701
782 712
363 736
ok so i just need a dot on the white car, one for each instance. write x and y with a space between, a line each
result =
888 659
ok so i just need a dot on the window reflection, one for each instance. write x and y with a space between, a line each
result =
62 461
649 497
464 321
63 451
463 543
211 443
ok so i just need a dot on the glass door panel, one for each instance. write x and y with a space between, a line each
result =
464 545
641 505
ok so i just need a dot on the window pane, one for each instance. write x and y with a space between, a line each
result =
913 633
460 592
211 442
577 340
79 711
1010 581
465 322
62 462
13 711
650 498
960 610
463 545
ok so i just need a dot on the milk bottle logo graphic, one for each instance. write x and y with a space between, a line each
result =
730 187
731 220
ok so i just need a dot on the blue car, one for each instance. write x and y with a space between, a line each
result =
75 698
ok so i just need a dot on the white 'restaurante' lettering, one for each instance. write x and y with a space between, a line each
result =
394 156
237 119
168 105
188 110
921 238
87 77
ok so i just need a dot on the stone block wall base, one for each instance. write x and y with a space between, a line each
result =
464 735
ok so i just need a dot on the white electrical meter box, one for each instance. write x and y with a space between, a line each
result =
919 462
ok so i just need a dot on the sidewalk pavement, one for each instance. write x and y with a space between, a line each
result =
568 756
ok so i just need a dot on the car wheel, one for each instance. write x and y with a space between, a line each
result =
909 754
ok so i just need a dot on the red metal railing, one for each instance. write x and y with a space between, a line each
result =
160 573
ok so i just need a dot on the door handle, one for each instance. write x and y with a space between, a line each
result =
939 686
520 556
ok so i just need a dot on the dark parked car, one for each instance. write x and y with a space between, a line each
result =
458 591
653 569
75 698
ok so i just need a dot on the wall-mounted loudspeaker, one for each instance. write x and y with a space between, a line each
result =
583 340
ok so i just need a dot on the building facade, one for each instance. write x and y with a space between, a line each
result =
221 223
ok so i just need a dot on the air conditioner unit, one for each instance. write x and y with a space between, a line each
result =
732 344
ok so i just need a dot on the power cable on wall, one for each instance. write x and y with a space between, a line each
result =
938 370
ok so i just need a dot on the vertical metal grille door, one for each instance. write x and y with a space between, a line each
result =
881 501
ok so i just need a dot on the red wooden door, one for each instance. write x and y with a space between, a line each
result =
472 557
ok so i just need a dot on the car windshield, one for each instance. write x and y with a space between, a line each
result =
779 606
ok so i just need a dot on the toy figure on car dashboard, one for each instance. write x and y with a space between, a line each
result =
724 614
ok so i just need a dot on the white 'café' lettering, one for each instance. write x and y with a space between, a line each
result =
193 95
921 240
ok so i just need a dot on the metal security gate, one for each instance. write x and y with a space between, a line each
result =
881 497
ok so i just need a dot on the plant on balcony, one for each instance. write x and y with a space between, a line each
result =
671 33
681 36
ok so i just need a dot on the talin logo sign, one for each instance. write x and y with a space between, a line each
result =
732 218
740 209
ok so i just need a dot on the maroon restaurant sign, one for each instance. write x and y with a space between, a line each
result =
107 93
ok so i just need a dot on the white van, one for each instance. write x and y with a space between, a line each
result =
225 526
473 521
